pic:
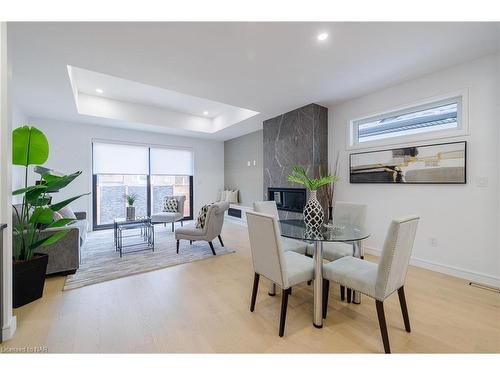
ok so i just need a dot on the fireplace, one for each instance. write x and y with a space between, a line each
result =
288 199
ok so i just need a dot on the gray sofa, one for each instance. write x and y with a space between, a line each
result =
64 255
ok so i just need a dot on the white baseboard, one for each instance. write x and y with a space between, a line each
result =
477 277
9 330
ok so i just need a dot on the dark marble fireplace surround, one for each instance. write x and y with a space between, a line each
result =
298 137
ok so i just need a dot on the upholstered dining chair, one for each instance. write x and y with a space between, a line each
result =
378 281
343 213
212 228
289 244
285 269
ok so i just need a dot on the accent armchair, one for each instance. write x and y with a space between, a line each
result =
171 217
212 228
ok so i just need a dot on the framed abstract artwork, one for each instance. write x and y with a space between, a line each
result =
443 163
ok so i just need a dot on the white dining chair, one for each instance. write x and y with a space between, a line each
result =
378 281
343 213
285 269
289 244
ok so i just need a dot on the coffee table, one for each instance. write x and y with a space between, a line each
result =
144 239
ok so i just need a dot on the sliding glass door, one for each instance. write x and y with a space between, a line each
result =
149 172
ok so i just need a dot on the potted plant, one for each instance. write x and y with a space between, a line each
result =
313 212
36 213
131 198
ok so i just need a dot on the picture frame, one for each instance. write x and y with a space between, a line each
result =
439 163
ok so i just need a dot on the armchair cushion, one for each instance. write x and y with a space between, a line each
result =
189 232
166 217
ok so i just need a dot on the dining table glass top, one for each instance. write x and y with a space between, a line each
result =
297 229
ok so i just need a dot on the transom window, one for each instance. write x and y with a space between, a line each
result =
438 116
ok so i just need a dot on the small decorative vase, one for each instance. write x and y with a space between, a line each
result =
130 213
313 212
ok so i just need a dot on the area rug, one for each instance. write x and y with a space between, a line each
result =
100 262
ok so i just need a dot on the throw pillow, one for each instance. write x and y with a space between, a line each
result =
170 205
57 216
232 196
67 213
222 196
202 216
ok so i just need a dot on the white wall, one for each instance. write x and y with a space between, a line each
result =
7 321
17 119
70 151
464 218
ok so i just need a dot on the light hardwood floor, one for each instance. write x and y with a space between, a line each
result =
204 307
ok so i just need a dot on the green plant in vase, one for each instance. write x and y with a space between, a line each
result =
313 212
36 213
131 198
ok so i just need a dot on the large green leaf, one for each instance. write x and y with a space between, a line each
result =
27 189
49 240
29 146
42 216
34 196
55 183
64 203
61 223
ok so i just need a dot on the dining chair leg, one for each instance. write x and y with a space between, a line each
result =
172 226
284 305
342 293
190 242
404 308
349 294
326 291
272 290
383 325
212 247
182 223
290 291
220 240
177 246
256 278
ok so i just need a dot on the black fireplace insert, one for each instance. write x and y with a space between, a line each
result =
288 199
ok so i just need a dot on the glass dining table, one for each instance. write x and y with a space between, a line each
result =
347 233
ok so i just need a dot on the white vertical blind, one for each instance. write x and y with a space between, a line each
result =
110 158
171 161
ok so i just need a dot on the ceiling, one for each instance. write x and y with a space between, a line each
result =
110 97
269 68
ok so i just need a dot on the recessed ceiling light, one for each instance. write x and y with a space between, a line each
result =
99 91
322 36
205 113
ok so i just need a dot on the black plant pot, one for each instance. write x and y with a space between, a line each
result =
28 279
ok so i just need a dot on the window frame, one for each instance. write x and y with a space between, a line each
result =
95 226
461 97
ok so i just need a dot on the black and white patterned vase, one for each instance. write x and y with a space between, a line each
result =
313 212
